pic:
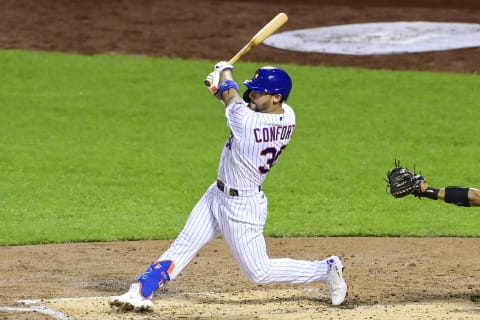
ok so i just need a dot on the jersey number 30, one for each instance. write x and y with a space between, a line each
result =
272 155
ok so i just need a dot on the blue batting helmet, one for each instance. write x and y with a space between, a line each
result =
271 80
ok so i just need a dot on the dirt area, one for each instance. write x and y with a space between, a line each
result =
389 278
216 30
380 272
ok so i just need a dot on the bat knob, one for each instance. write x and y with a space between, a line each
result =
207 83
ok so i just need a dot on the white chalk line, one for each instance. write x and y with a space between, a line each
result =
37 307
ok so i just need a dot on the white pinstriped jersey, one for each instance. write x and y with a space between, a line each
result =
256 141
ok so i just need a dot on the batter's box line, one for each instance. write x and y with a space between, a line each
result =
36 306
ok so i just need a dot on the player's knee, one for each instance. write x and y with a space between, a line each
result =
259 280
257 276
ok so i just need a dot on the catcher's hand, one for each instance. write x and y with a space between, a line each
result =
401 181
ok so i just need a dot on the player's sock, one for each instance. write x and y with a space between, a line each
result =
157 275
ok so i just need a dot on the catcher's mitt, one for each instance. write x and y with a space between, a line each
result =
401 181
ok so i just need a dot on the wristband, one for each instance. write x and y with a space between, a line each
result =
228 84
430 193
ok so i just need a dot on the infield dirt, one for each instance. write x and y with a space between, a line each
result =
389 278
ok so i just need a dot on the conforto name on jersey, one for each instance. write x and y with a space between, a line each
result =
274 133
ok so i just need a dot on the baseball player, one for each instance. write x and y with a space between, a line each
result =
235 205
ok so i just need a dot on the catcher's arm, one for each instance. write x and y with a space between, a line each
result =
401 182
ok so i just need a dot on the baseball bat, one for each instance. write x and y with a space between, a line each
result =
270 28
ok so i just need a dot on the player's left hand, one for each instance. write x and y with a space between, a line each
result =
212 81
223 65
402 181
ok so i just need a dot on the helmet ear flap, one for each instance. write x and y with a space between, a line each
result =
246 95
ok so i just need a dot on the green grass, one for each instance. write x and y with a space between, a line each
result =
101 148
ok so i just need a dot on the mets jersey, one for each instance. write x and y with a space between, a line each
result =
255 143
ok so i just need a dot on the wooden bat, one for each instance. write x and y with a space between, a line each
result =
269 29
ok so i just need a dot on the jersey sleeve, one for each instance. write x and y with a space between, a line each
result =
236 113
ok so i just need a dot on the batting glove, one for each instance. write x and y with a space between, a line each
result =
222 65
212 81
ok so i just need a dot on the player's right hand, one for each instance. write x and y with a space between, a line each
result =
212 81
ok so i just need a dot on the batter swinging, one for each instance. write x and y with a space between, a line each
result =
235 206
